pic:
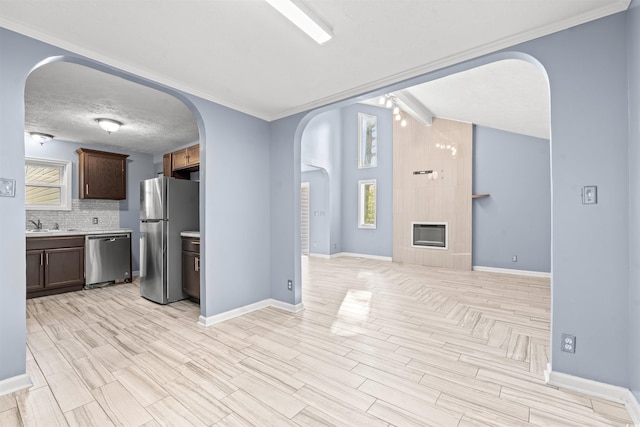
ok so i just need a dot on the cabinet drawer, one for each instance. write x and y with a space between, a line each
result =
191 245
54 242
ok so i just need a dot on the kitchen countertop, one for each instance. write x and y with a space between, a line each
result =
74 232
195 234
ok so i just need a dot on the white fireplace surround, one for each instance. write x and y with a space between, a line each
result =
432 235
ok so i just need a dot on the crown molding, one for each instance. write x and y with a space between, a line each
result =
609 9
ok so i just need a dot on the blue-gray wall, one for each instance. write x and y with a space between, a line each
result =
589 146
234 153
516 218
319 211
590 280
330 142
356 240
284 193
139 167
322 148
633 39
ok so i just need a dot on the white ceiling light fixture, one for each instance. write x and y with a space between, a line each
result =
296 12
109 125
40 137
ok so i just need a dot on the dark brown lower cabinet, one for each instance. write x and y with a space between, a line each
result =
54 265
191 267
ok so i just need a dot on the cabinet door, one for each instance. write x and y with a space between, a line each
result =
179 159
35 270
191 274
193 155
105 177
64 267
166 165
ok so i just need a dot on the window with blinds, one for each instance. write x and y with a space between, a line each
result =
47 184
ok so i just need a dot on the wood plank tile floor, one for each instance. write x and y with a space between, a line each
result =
378 343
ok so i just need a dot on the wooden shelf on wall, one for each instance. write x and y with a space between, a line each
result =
479 196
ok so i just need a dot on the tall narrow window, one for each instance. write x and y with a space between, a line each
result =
367 203
367 141
47 184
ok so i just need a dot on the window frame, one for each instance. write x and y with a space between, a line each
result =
363 120
361 202
65 183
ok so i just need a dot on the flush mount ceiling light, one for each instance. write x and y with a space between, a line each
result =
303 18
109 125
40 137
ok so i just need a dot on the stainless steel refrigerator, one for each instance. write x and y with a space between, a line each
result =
168 206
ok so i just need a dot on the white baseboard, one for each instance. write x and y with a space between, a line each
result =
16 383
598 389
350 254
354 255
324 256
512 271
227 315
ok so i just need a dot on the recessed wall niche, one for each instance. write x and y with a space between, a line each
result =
432 177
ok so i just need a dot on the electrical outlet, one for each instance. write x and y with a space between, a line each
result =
290 285
95 219
514 258
568 343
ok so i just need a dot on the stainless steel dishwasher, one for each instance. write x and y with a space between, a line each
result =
107 258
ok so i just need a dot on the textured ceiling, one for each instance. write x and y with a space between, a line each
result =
65 99
245 55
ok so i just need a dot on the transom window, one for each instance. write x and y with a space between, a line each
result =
47 184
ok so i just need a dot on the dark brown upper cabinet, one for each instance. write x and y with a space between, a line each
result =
102 175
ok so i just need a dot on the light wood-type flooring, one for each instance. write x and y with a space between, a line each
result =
378 343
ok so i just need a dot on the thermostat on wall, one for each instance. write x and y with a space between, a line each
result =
7 187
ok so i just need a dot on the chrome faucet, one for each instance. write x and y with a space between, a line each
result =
37 224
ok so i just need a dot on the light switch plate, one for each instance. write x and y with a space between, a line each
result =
589 195
7 187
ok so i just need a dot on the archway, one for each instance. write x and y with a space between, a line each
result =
144 126
433 77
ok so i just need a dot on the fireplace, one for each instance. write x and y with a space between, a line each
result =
432 235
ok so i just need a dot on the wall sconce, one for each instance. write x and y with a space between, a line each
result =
109 125
40 137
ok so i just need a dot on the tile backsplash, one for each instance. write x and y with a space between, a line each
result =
80 216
